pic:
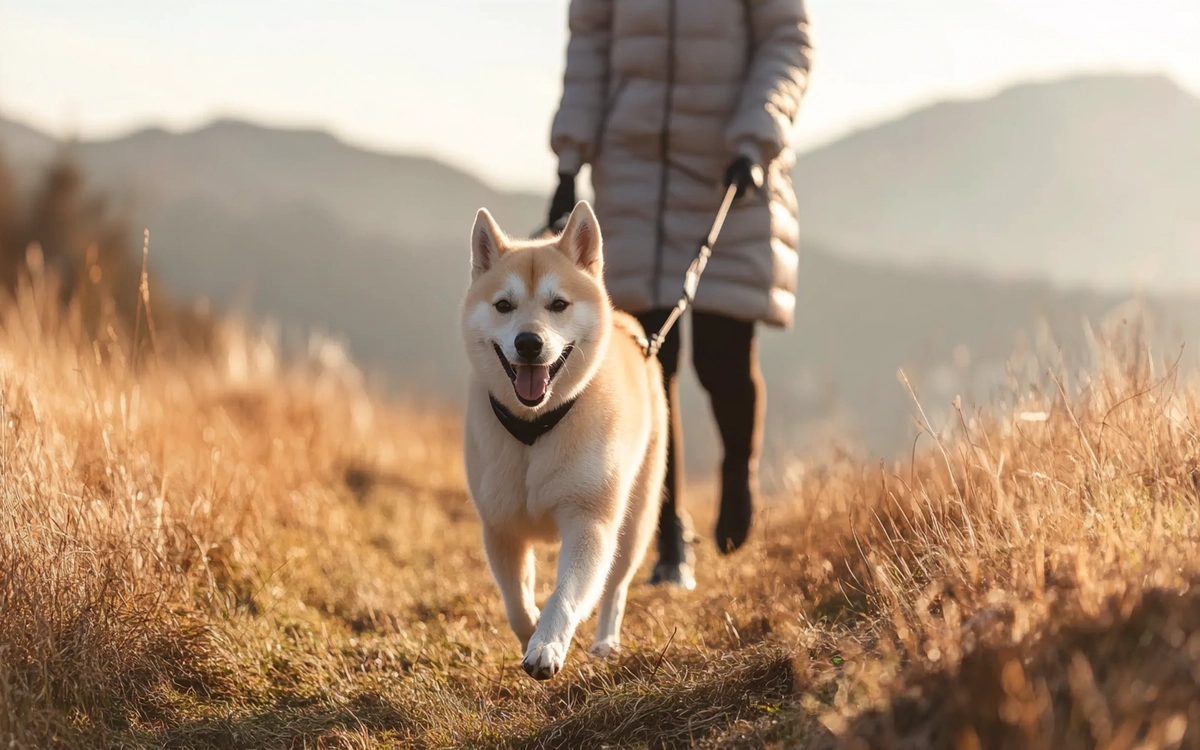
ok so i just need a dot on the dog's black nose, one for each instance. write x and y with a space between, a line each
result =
529 346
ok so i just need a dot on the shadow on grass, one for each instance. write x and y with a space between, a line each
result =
289 724
678 709
1125 676
650 705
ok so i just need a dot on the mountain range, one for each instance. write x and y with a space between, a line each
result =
938 242
1086 181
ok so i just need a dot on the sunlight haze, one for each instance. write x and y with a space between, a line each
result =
475 82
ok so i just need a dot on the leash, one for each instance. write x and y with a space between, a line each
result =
690 280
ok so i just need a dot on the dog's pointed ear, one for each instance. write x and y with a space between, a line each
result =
581 241
487 243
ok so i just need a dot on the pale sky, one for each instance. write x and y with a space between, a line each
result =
475 82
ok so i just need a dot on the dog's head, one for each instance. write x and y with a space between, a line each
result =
536 316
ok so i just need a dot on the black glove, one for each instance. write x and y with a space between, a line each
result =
563 201
743 173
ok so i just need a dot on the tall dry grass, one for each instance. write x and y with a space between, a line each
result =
82 243
1028 582
217 549
144 502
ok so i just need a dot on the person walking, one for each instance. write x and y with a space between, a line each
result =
671 103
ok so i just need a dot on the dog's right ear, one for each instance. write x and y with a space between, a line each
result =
580 240
487 243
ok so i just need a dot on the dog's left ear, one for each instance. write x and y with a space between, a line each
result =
581 241
487 243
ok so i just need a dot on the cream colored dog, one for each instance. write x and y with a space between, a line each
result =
565 434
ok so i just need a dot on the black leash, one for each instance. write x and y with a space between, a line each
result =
692 278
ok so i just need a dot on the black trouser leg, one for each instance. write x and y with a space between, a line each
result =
725 355
673 551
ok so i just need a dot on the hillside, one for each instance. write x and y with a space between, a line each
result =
25 147
911 227
1085 181
223 552
246 169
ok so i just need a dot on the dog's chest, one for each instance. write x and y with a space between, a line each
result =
527 487
499 472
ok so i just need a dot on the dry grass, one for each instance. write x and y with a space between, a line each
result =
82 242
223 552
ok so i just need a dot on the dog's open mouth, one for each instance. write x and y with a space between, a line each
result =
531 381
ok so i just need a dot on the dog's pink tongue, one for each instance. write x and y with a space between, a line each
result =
532 381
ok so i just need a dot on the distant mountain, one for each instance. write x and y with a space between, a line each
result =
1086 181
908 229
1091 180
248 168
23 147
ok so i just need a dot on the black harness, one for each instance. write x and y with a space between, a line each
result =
529 430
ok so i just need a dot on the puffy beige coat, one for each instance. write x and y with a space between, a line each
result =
658 97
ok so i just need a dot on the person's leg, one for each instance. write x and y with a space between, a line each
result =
725 355
675 558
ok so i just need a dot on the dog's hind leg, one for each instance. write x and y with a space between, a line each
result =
631 549
589 541
511 560
641 519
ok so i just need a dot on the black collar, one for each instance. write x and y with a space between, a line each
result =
525 430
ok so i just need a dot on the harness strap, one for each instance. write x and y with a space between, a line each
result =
529 430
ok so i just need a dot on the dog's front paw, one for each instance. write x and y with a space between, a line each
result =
605 648
544 660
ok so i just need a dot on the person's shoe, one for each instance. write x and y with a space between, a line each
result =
681 575
676 564
736 514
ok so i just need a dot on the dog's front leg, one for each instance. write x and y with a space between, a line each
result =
588 544
511 560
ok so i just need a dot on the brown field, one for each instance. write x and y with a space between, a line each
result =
211 551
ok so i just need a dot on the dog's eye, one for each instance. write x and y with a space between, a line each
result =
559 305
504 307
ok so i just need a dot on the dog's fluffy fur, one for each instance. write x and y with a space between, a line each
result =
594 481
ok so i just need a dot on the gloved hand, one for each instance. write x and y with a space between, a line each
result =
743 173
563 201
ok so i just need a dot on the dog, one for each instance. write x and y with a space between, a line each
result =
565 432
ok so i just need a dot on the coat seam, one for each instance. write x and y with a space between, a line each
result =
664 150
609 108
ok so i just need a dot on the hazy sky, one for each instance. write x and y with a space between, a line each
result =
476 81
